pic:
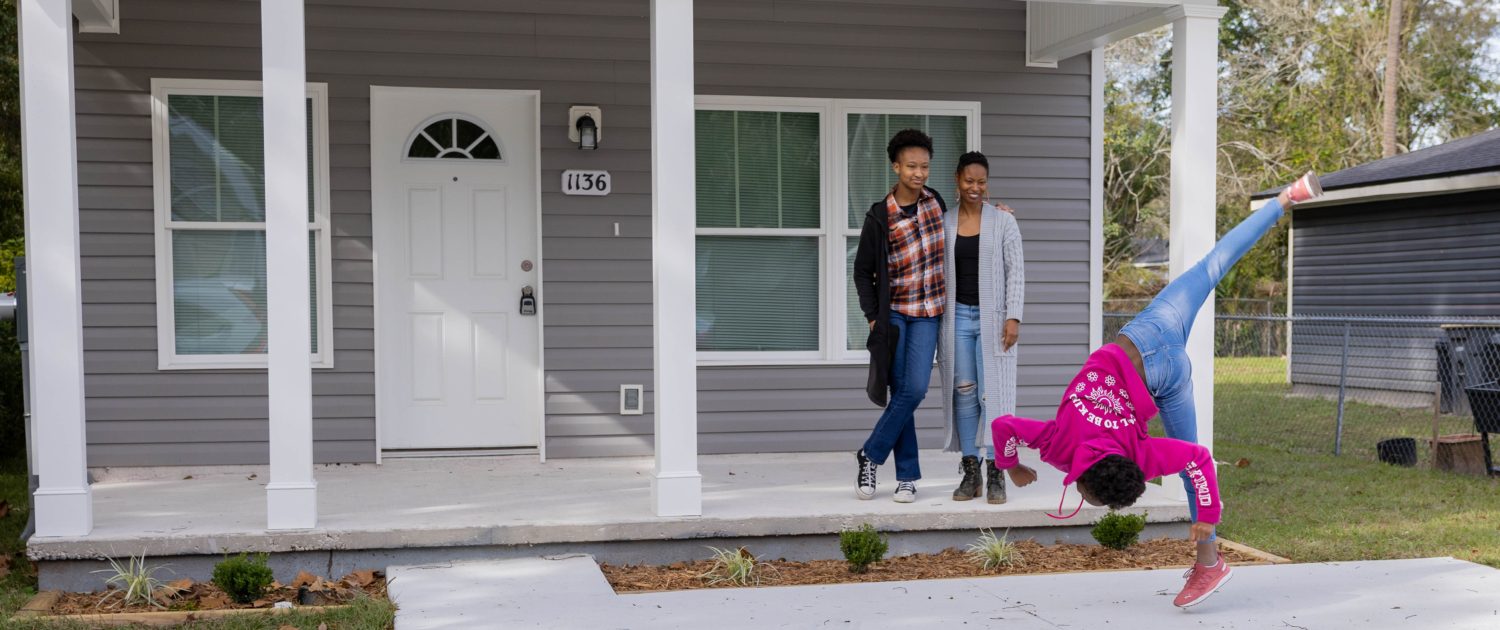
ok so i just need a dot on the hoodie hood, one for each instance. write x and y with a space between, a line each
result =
1088 454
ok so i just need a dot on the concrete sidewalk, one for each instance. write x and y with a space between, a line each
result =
1430 594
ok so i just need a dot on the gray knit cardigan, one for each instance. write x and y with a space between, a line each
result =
1002 291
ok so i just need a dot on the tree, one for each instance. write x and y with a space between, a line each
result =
1301 88
1391 83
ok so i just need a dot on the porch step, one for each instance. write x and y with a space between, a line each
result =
419 511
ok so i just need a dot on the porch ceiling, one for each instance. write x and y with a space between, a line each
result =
1059 29
515 500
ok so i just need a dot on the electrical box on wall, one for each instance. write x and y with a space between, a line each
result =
632 400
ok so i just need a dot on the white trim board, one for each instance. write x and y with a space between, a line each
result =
167 357
833 195
1397 190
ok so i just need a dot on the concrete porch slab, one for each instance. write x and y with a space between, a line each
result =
518 501
567 593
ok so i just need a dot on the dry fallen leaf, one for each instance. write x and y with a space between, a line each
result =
361 578
213 601
303 579
187 477
1242 463
252 476
4 566
182 584
4 509
287 627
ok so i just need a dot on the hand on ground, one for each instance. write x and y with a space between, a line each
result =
1022 475
1200 532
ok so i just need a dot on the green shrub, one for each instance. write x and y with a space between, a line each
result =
244 578
862 547
1119 531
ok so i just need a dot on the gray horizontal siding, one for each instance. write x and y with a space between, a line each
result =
1433 256
597 286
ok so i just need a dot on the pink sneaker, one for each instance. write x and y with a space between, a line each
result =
1202 582
1306 187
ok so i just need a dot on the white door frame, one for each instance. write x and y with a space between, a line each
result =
377 173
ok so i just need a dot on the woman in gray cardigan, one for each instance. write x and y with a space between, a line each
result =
982 321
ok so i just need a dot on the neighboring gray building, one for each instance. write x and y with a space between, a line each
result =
1416 236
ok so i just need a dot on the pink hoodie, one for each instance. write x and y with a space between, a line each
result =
1105 413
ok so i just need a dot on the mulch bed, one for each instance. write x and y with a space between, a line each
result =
1035 558
187 595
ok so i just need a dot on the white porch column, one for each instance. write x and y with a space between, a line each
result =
676 486
49 165
1195 56
291 494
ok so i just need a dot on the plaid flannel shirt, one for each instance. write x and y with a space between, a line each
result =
915 262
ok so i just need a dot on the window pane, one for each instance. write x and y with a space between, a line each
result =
716 169
757 293
217 158
801 171
870 175
219 291
855 322
312 286
758 169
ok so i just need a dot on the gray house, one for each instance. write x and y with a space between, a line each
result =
1412 236
567 229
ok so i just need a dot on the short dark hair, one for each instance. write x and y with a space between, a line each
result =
907 138
1115 481
973 157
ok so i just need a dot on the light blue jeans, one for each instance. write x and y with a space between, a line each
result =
1161 331
968 377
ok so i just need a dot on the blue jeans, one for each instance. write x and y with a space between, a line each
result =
968 377
1161 331
911 375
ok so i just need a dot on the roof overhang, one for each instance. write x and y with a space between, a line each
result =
97 16
1059 29
1397 190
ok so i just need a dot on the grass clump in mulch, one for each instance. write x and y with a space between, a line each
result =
951 563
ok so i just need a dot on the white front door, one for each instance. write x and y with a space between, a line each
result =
455 220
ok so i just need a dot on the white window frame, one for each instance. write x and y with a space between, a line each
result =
833 131
166 319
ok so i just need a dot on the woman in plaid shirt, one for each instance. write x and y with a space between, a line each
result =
898 273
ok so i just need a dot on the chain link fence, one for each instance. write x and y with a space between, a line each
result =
1404 390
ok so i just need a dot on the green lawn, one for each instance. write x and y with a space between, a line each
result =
20 585
1297 500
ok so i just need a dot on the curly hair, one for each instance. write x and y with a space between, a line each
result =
972 157
1115 481
908 138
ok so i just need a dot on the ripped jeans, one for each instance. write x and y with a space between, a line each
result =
968 377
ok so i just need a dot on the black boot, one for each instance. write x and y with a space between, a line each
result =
969 487
995 487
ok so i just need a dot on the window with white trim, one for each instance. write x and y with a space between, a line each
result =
209 158
783 185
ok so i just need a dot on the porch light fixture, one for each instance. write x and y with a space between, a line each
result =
585 124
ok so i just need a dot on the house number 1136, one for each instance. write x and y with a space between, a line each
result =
593 183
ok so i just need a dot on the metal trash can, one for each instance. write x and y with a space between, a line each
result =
1468 356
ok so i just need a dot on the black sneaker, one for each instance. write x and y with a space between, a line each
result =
906 492
969 487
865 483
995 486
